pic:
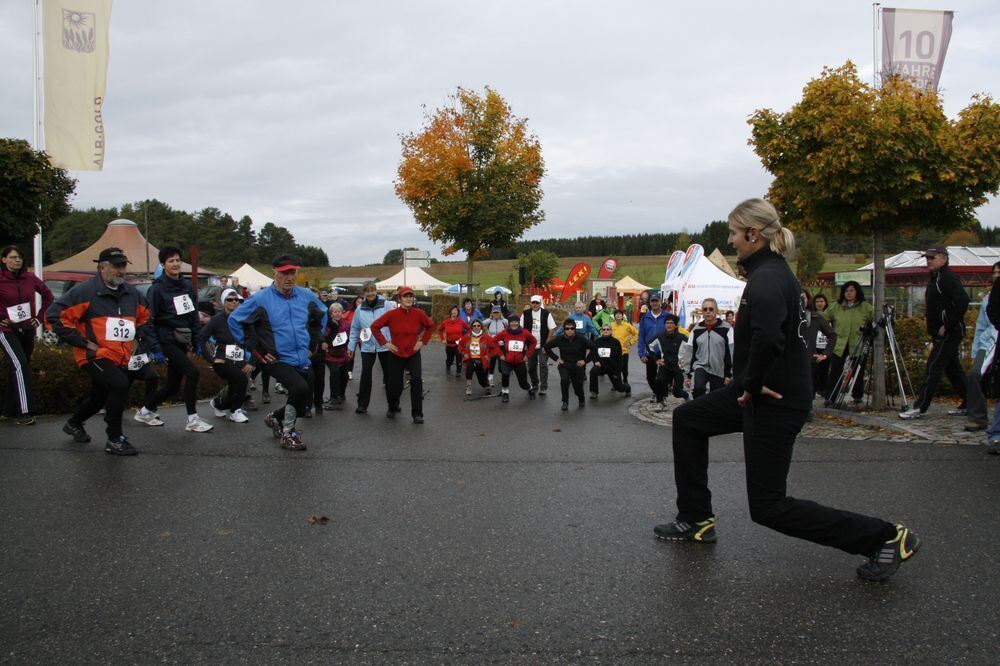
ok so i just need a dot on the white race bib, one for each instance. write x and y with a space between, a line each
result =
340 339
821 341
20 312
183 304
598 307
119 330
604 352
366 334
474 348
234 353
515 345
137 361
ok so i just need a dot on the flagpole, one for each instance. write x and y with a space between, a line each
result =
37 241
875 26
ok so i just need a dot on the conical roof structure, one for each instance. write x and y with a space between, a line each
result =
123 234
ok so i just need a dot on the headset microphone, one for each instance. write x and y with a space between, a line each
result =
746 235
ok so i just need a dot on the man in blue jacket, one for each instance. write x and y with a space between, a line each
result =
281 326
649 327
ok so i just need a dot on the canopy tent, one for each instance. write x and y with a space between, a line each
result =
719 260
251 278
123 234
629 285
706 280
492 290
416 278
457 288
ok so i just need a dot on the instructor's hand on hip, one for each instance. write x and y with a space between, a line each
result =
391 347
746 399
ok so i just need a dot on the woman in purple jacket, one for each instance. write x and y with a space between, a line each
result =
18 321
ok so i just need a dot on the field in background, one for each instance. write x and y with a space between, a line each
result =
646 269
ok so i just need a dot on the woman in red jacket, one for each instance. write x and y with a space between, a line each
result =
451 331
410 329
515 344
18 322
477 349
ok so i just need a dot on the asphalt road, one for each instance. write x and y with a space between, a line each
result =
492 533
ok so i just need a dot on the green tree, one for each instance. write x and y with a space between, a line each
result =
683 241
76 231
810 257
310 255
33 193
274 240
245 246
472 176
714 235
852 159
541 266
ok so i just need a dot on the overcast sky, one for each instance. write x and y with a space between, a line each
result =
291 112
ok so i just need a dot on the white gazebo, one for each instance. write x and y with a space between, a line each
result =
412 277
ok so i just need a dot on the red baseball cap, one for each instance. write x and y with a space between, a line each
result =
286 262
404 290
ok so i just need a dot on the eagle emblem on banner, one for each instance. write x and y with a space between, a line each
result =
78 31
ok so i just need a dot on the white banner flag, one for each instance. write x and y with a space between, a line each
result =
75 51
914 43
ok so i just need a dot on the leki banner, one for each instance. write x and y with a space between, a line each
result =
914 43
574 281
607 269
75 49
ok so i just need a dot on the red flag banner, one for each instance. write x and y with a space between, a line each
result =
575 280
607 269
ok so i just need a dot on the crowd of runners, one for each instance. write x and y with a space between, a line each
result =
754 371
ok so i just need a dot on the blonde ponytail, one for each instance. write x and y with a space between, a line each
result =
761 215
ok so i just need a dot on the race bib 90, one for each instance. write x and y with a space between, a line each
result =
18 313
234 353
183 304
515 345
604 352
119 330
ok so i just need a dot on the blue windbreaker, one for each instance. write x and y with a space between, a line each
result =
649 327
364 315
985 337
281 321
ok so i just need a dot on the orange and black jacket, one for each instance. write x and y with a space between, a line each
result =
84 313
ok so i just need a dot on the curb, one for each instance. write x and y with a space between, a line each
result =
875 421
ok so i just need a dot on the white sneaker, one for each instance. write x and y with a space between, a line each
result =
149 418
911 414
220 413
238 416
350 375
197 425
468 390
491 381
252 386
279 389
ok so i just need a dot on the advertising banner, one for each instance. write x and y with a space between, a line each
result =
914 43
608 267
575 281
75 50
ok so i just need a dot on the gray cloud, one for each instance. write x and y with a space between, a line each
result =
292 113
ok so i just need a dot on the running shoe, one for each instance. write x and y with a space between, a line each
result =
252 386
488 391
418 419
491 381
350 375
279 389
78 434
120 447
565 407
702 532
505 397
307 413
468 390
531 394
25 420
911 414
975 426
292 441
593 396
361 410
249 405
265 397
542 391
886 560
221 413
197 425
959 411
149 418
992 448
239 416
274 424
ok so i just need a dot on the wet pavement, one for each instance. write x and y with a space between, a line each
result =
494 533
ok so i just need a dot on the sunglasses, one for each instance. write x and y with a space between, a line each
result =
232 300
708 309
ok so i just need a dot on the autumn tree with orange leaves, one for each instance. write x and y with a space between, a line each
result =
853 159
472 176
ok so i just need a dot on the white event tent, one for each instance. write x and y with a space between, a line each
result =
416 278
706 280
251 278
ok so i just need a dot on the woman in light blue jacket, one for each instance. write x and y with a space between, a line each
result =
371 308
983 342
